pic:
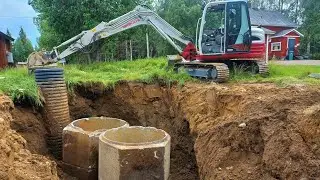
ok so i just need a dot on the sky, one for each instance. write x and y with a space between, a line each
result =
15 14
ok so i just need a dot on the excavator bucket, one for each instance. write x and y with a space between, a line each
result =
39 59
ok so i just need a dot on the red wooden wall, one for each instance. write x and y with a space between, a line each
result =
284 43
5 45
278 54
3 58
284 47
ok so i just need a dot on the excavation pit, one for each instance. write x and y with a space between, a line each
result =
280 139
134 153
80 144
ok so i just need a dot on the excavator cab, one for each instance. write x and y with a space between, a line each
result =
225 28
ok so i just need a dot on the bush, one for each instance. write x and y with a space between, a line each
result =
316 56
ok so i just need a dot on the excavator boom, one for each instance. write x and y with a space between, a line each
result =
141 15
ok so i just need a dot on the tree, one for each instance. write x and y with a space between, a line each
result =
22 47
60 20
22 35
8 33
311 27
36 48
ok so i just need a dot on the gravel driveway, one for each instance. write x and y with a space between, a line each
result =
298 62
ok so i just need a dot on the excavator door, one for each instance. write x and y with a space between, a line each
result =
225 28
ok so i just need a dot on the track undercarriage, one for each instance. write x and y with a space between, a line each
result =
217 72
220 72
253 66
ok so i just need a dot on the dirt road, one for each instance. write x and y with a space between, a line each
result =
299 62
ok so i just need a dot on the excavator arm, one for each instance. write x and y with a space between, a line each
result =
141 15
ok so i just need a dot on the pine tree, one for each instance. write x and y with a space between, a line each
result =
22 47
22 36
8 33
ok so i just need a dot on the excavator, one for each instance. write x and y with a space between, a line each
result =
224 37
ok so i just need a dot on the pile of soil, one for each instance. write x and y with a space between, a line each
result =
219 131
16 161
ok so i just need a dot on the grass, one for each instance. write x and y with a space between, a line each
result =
21 87
112 72
281 75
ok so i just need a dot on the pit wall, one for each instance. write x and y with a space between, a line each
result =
142 105
244 131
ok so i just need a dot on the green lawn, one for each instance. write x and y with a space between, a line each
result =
21 86
281 74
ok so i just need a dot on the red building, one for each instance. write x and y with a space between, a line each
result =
282 36
5 45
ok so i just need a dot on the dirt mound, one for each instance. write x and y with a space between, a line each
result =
16 161
247 131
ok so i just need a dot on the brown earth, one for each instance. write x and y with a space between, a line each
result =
237 131
28 123
16 161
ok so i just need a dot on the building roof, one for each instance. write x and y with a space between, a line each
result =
6 36
270 18
268 31
285 32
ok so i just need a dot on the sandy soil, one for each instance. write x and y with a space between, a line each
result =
16 161
247 131
240 131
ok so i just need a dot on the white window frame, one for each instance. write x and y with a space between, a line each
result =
272 44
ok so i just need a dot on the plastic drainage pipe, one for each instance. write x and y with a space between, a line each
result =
134 153
56 109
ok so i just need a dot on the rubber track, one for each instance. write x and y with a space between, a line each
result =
222 69
223 73
263 67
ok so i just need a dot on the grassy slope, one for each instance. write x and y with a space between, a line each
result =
20 86
111 73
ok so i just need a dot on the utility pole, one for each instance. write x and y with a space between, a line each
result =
127 51
130 49
148 48
267 49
